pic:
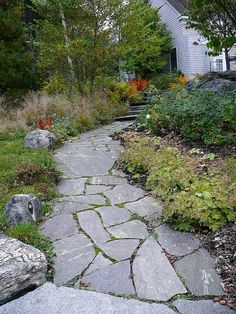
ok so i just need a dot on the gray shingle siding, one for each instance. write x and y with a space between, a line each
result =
192 58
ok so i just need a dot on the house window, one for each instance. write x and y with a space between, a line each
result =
173 59
219 65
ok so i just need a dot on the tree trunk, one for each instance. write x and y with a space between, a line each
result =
69 60
227 59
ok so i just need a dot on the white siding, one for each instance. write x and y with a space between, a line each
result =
191 58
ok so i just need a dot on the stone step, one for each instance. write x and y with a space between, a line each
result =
139 103
126 118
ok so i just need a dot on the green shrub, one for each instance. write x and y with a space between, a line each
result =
191 199
205 202
197 115
139 156
169 173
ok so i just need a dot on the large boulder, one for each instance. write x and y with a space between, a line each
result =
22 208
21 266
40 139
219 82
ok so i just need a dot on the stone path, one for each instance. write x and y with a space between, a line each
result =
107 239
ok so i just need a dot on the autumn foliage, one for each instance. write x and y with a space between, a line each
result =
44 124
139 85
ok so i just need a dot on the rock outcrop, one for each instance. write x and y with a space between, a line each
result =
219 82
21 266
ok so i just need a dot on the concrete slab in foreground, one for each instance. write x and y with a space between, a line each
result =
51 299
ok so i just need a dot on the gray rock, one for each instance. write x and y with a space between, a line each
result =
202 307
40 139
95 189
131 229
72 186
147 206
220 85
118 173
119 249
69 208
124 193
113 278
50 299
108 180
59 227
21 266
73 255
91 224
155 278
98 263
112 215
198 271
22 208
176 242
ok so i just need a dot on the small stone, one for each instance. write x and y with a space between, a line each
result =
21 266
131 229
176 242
59 227
22 208
113 278
124 193
119 249
40 139
155 278
72 186
198 271
91 224
98 263
201 307
73 255
112 215
147 206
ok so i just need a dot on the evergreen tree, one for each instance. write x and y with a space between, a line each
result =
15 59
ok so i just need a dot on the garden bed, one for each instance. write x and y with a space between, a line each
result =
220 243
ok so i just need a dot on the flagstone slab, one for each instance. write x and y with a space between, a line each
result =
85 162
50 299
108 180
98 263
131 229
202 307
120 249
112 215
95 189
59 227
155 278
124 193
92 225
86 199
176 242
72 186
198 271
118 173
146 206
115 278
69 208
73 255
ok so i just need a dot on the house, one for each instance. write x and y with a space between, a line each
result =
189 52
